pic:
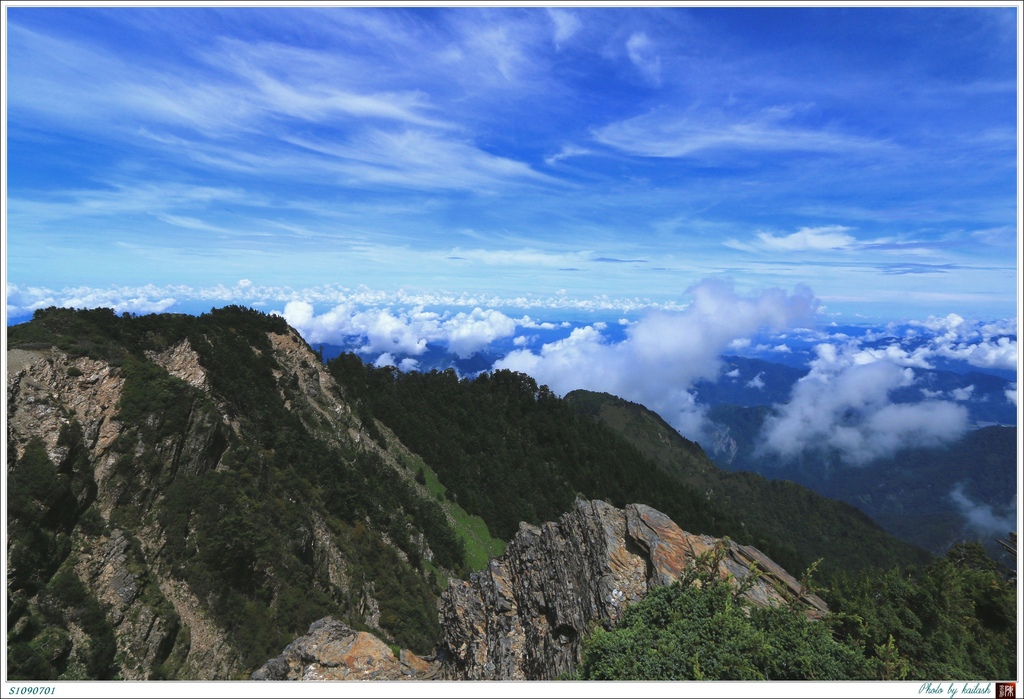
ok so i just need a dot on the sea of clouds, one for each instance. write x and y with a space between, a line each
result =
645 352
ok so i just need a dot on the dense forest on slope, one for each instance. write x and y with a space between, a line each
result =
512 451
955 618
237 517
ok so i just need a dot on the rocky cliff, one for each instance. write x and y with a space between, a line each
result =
330 650
198 489
525 616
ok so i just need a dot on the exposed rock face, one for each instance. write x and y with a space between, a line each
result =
333 651
46 389
183 362
161 626
524 617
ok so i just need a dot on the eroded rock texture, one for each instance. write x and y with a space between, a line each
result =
525 616
330 650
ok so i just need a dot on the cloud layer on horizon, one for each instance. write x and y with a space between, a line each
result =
383 331
845 403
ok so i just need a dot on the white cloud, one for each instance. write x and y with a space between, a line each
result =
1001 354
528 322
981 517
952 326
894 354
385 331
1011 394
962 394
396 332
140 300
663 353
524 257
23 299
986 345
805 239
416 159
666 134
567 151
844 404
756 382
643 54
386 359
567 24
470 333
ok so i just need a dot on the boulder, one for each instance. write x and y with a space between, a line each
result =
330 650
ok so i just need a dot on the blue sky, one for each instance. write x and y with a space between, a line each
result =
566 158
604 198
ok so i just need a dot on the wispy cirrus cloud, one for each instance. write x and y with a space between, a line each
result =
356 144
566 25
805 239
521 257
643 52
239 94
421 160
567 151
663 133
898 268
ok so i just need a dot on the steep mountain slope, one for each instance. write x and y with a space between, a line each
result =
186 494
512 451
607 593
779 510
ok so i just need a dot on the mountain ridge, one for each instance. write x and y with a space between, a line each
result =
772 507
198 490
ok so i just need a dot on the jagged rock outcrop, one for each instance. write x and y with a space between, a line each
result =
525 616
46 389
333 651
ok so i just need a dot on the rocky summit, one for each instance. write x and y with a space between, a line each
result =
525 616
